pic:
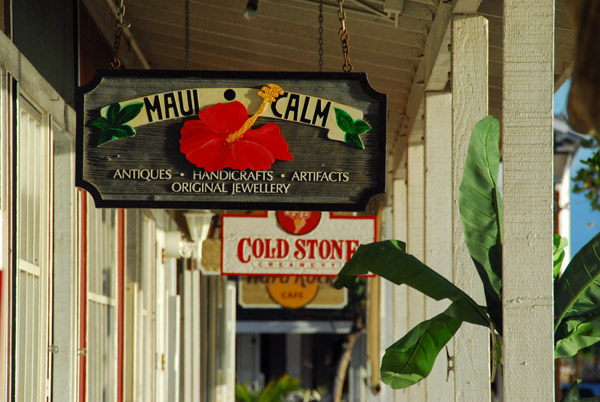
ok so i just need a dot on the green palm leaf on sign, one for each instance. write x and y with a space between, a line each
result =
114 126
352 128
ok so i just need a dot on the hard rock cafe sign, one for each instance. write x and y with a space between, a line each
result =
226 140
313 292
286 243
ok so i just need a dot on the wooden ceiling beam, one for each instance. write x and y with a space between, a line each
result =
436 61
432 72
466 6
279 22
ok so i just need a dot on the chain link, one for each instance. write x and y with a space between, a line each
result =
347 67
321 36
116 63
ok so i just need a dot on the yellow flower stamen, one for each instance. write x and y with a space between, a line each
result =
269 94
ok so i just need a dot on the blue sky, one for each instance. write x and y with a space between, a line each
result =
585 223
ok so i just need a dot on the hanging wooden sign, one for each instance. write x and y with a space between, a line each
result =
292 242
231 140
292 292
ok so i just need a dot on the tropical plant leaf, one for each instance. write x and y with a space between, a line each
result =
112 112
354 139
579 335
129 112
390 260
344 121
558 253
572 394
411 358
361 126
577 291
480 207
277 389
244 394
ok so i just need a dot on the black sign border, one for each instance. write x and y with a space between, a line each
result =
360 205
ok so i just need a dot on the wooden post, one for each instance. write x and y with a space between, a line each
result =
416 241
400 312
438 219
469 105
528 71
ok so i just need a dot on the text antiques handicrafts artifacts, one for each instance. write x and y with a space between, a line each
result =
229 140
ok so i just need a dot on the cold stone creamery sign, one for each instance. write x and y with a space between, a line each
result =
292 242
177 139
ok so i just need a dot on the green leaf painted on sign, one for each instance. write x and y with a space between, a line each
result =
351 127
361 126
113 125
354 139
129 112
113 112
344 121
123 131
101 123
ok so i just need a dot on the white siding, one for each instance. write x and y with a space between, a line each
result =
34 228
102 327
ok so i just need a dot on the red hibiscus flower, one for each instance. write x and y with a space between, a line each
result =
218 140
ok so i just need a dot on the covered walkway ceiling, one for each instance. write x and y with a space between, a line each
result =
403 55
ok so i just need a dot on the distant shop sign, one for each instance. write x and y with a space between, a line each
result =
292 242
227 140
292 292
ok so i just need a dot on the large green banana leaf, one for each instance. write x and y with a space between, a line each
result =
390 260
480 207
577 300
572 395
576 334
558 253
412 357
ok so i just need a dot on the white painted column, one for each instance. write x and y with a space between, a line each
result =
187 370
528 71
564 214
399 296
469 105
438 220
387 302
416 242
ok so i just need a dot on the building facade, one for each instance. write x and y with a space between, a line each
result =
120 305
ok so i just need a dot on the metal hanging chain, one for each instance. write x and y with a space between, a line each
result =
120 24
347 67
321 36
187 34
